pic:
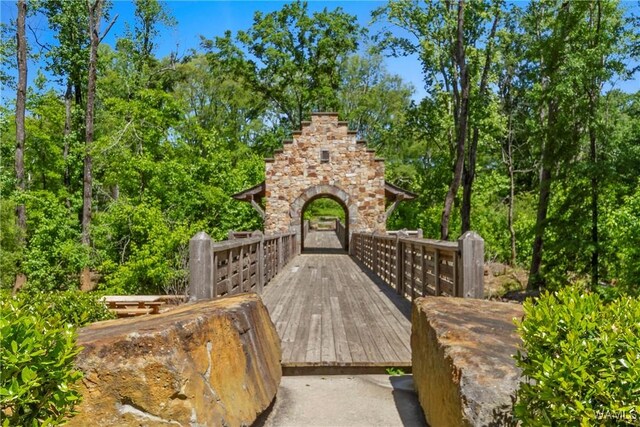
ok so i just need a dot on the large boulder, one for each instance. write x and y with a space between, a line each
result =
463 368
211 363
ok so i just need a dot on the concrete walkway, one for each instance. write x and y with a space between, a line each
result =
349 401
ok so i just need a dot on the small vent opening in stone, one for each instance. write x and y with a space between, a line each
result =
324 156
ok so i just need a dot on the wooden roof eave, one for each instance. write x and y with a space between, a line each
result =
391 192
253 193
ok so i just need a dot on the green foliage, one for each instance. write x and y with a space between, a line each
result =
580 360
294 57
394 372
54 256
625 242
71 307
324 207
9 247
37 352
142 252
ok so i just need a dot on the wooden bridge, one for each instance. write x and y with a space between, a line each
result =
334 310
338 312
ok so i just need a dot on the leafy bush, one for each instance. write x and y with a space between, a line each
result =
36 383
37 354
54 255
624 222
142 253
72 307
581 360
9 247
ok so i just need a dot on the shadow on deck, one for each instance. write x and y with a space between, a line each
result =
335 317
322 242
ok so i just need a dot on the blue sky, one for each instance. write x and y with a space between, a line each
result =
213 18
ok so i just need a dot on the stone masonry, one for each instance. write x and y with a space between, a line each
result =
298 174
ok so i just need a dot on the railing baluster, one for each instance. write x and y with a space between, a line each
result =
436 271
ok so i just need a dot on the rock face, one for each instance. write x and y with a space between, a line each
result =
211 363
461 356
349 173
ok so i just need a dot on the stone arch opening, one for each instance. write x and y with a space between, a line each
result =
330 235
316 192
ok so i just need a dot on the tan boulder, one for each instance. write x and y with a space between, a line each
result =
463 368
211 363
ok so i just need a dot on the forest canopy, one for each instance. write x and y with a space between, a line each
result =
113 157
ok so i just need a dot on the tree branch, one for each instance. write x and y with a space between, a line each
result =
113 21
42 46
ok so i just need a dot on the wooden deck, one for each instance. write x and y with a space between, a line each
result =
335 317
322 242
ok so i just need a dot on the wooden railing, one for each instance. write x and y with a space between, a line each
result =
419 267
233 266
341 232
406 233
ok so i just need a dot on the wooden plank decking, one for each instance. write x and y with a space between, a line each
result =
330 313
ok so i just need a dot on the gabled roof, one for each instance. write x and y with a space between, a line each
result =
391 192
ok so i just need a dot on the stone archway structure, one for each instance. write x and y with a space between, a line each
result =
319 191
334 193
324 159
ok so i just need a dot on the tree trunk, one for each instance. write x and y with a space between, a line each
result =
21 99
512 196
594 95
594 206
68 95
463 113
535 279
470 169
95 14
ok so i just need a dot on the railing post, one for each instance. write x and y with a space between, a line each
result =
259 261
200 267
374 254
471 272
279 253
399 264
352 244
436 271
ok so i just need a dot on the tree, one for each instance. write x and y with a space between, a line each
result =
566 106
374 101
447 38
21 98
67 59
469 171
96 14
606 45
294 59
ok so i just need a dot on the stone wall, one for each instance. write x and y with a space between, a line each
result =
212 363
463 368
353 176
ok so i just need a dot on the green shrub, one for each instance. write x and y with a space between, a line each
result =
37 351
54 256
581 360
141 253
73 307
38 375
